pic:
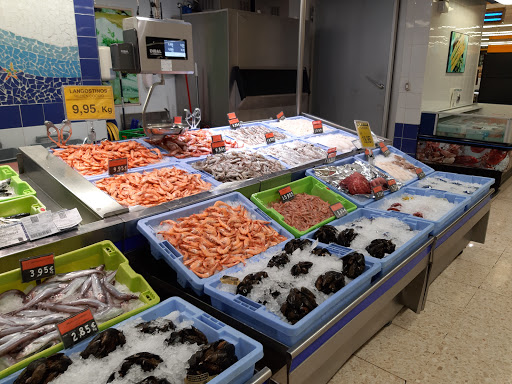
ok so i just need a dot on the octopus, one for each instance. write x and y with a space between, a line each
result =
104 343
326 234
190 335
298 304
278 260
319 251
246 285
353 265
156 326
346 237
379 247
301 268
330 282
295 244
44 370
145 360
212 359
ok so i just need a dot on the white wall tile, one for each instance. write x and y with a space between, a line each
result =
418 60
401 99
400 115
412 116
12 138
413 100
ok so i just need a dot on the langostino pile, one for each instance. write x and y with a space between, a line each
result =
92 159
303 211
27 321
190 144
154 187
219 237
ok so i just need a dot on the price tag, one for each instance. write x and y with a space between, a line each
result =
117 166
12 234
331 155
77 328
177 120
420 173
89 102
384 149
37 268
339 210
368 153
67 219
270 138
286 194
281 116
234 123
365 133
392 185
378 192
40 225
218 147
318 127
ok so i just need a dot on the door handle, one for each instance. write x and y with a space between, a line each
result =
375 82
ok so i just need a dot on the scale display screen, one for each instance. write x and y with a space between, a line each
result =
175 48
169 49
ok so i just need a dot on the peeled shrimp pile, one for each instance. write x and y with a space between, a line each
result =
92 159
342 143
295 152
237 165
303 211
190 144
153 188
219 237
298 127
396 166
254 135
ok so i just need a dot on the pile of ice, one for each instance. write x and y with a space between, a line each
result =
295 152
343 143
298 127
453 186
428 207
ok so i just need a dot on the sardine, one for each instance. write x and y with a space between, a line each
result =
107 314
39 344
71 289
73 275
119 295
38 298
32 313
42 287
10 331
61 307
97 289
22 338
87 302
111 277
50 319
86 286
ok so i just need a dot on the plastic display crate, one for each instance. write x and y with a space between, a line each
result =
162 249
25 204
84 258
227 130
21 188
258 317
449 217
310 138
308 185
359 200
132 134
426 169
247 350
392 260
485 182
282 142
273 124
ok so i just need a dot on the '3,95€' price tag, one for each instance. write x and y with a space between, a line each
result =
77 328
234 123
378 192
286 194
392 186
384 149
37 268
338 210
331 155
420 173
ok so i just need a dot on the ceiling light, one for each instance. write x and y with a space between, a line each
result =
506 2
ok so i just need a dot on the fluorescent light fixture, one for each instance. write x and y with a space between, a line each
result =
493 19
493 14
498 26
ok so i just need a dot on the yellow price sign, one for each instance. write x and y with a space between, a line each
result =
365 133
89 102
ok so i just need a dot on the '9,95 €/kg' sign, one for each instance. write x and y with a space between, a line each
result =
93 102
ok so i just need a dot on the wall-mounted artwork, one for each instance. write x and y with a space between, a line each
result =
109 30
458 52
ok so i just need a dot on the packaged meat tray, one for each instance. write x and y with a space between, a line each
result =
247 351
475 187
11 186
98 258
438 207
388 225
259 317
311 195
161 248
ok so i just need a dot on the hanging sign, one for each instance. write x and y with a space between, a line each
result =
89 102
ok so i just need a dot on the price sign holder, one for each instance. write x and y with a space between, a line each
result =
420 173
77 328
392 185
318 127
378 192
281 116
177 120
37 268
218 145
338 210
331 155
117 166
234 123
88 102
270 138
286 194
365 133
384 149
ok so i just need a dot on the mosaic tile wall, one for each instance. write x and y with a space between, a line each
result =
38 56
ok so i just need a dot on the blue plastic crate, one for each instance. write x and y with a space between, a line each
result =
340 132
164 249
360 201
448 218
327 128
392 260
257 316
426 169
485 182
247 350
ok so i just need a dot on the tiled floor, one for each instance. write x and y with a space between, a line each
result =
464 335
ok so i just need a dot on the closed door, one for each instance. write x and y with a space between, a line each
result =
352 64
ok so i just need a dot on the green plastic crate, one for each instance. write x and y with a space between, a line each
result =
131 133
308 185
92 256
21 188
25 204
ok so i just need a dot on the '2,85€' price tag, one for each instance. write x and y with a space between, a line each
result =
384 149
271 139
77 328
286 194
37 268
318 127
331 155
94 102
338 210
392 185
117 166
420 173
234 123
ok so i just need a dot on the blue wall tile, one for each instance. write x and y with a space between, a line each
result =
399 129
85 25
409 146
91 82
54 112
410 131
88 47
32 115
84 7
10 116
397 142
428 121
90 69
